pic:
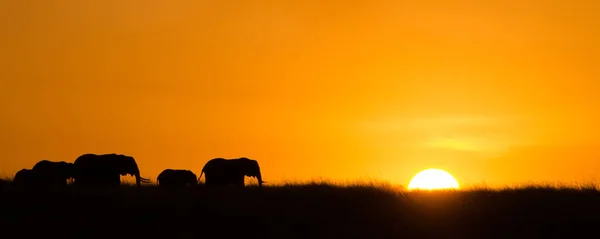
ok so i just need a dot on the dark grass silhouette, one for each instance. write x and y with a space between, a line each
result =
313 210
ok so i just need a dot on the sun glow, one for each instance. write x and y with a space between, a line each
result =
430 179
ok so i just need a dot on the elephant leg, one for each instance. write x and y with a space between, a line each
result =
115 180
59 181
87 180
110 180
91 179
94 179
208 181
216 181
78 180
53 181
227 181
239 181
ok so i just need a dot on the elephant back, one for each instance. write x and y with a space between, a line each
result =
216 164
50 168
100 162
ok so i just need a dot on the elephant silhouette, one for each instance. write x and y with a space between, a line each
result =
3 183
172 178
51 173
105 170
219 172
25 178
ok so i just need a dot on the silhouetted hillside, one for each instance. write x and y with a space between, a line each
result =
299 211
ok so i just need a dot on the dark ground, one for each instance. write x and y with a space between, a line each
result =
299 211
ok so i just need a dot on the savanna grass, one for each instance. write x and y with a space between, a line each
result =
314 209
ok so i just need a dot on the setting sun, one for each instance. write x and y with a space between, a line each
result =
433 179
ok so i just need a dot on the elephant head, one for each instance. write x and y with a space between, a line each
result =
126 165
190 177
251 169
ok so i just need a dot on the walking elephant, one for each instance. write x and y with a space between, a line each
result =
221 172
176 178
53 173
105 170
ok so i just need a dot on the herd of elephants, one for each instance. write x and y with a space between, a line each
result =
105 170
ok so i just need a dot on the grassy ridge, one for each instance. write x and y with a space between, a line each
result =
314 210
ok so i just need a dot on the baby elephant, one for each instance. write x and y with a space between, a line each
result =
25 178
172 178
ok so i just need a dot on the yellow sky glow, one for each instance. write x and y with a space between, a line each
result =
493 91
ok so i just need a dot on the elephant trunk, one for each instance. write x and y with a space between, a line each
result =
138 179
259 178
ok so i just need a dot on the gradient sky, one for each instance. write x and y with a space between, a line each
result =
491 91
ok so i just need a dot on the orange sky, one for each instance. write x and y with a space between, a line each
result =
501 91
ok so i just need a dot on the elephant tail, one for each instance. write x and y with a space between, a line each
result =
202 172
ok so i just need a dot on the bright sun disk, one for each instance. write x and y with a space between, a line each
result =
433 178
